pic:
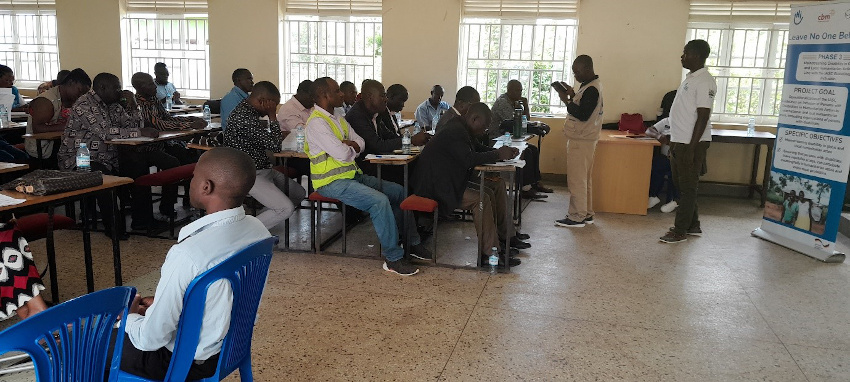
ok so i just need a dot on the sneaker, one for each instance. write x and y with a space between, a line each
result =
669 207
588 220
421 252
400 267
566 222
692 231
671 237
653 201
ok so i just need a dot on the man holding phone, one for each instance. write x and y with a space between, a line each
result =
584 121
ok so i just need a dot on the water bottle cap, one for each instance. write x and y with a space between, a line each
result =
82 144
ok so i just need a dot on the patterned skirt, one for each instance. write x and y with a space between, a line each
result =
19 278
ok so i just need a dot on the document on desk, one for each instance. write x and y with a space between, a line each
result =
387 156
136 139
518 163
9 201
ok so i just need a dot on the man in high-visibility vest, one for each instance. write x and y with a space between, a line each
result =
332 146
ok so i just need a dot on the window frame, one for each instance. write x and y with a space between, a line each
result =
44 69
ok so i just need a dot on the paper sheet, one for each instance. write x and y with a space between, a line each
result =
9 201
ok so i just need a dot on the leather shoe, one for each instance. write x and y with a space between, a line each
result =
533 195
522 236
541 188
519 244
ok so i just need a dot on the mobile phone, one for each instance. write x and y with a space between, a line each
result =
559 86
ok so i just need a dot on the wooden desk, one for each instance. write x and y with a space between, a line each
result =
110 184
621 170
6 167
396 162
163 136
757 140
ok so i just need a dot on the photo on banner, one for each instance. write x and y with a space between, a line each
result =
811 159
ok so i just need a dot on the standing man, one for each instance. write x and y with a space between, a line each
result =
296 111
690 136
243 82
584 121
163 87
254 130
427 110
332 146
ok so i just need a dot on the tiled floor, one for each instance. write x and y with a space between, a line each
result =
606 302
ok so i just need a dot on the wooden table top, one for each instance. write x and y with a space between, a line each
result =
6 167
163 136
395 162
619 137
290 154
44 136
109 181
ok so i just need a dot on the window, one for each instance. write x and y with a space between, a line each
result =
527 40
173 32
28 40
748 42
322 38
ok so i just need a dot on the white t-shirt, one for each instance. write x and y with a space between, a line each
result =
696 91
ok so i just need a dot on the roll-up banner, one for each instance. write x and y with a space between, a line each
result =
812 150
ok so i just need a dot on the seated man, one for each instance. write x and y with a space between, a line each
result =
465 97
430 107
445 172
45 86
102 114
222 178
503 109
379 136
332 146
7 80
296 111
254 130
51 109
661 169
243 82
163 87
349 95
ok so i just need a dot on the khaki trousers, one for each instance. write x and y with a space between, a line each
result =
491 223
580 178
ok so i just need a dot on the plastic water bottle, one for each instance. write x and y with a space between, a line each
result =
493 261
83 158
506 139
299 138
405 142
416 128
207 115
436 119
751 127
169 101
524 125
4 117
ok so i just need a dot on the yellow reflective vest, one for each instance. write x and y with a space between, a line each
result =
324 169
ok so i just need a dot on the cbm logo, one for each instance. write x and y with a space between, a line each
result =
798 17
825 17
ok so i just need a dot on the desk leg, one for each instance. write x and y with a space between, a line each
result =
511 176
51 257
755 170
517 200
480 206
381 189
766 179
84 202
286 222
38 151
116 246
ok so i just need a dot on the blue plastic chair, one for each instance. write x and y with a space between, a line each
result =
70 341
247 271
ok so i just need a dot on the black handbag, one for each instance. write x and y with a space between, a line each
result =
47 182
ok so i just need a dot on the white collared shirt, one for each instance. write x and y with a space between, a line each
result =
201 245
291 114
696 91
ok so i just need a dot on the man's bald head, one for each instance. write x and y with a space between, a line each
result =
143 83
478 118
514 90
222 179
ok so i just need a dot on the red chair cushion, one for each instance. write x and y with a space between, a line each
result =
418 203
34 227
288 171
316 197
166 177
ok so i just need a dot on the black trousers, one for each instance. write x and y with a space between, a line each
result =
154 364
104 201
134 164
531 171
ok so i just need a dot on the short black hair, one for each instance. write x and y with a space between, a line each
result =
319 87
395 90
585 61
78 76
61 75
435 88
239 73
4 70
104 78
265 88
345 85
467 94
370 85
304 87
479 109
236 167
159 65
700 47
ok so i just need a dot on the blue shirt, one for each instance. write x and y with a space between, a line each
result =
17 102
229 102
163 91
201 245
425 112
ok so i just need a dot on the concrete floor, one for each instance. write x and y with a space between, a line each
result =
605 302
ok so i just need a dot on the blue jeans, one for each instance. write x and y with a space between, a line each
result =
382 202
661 173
